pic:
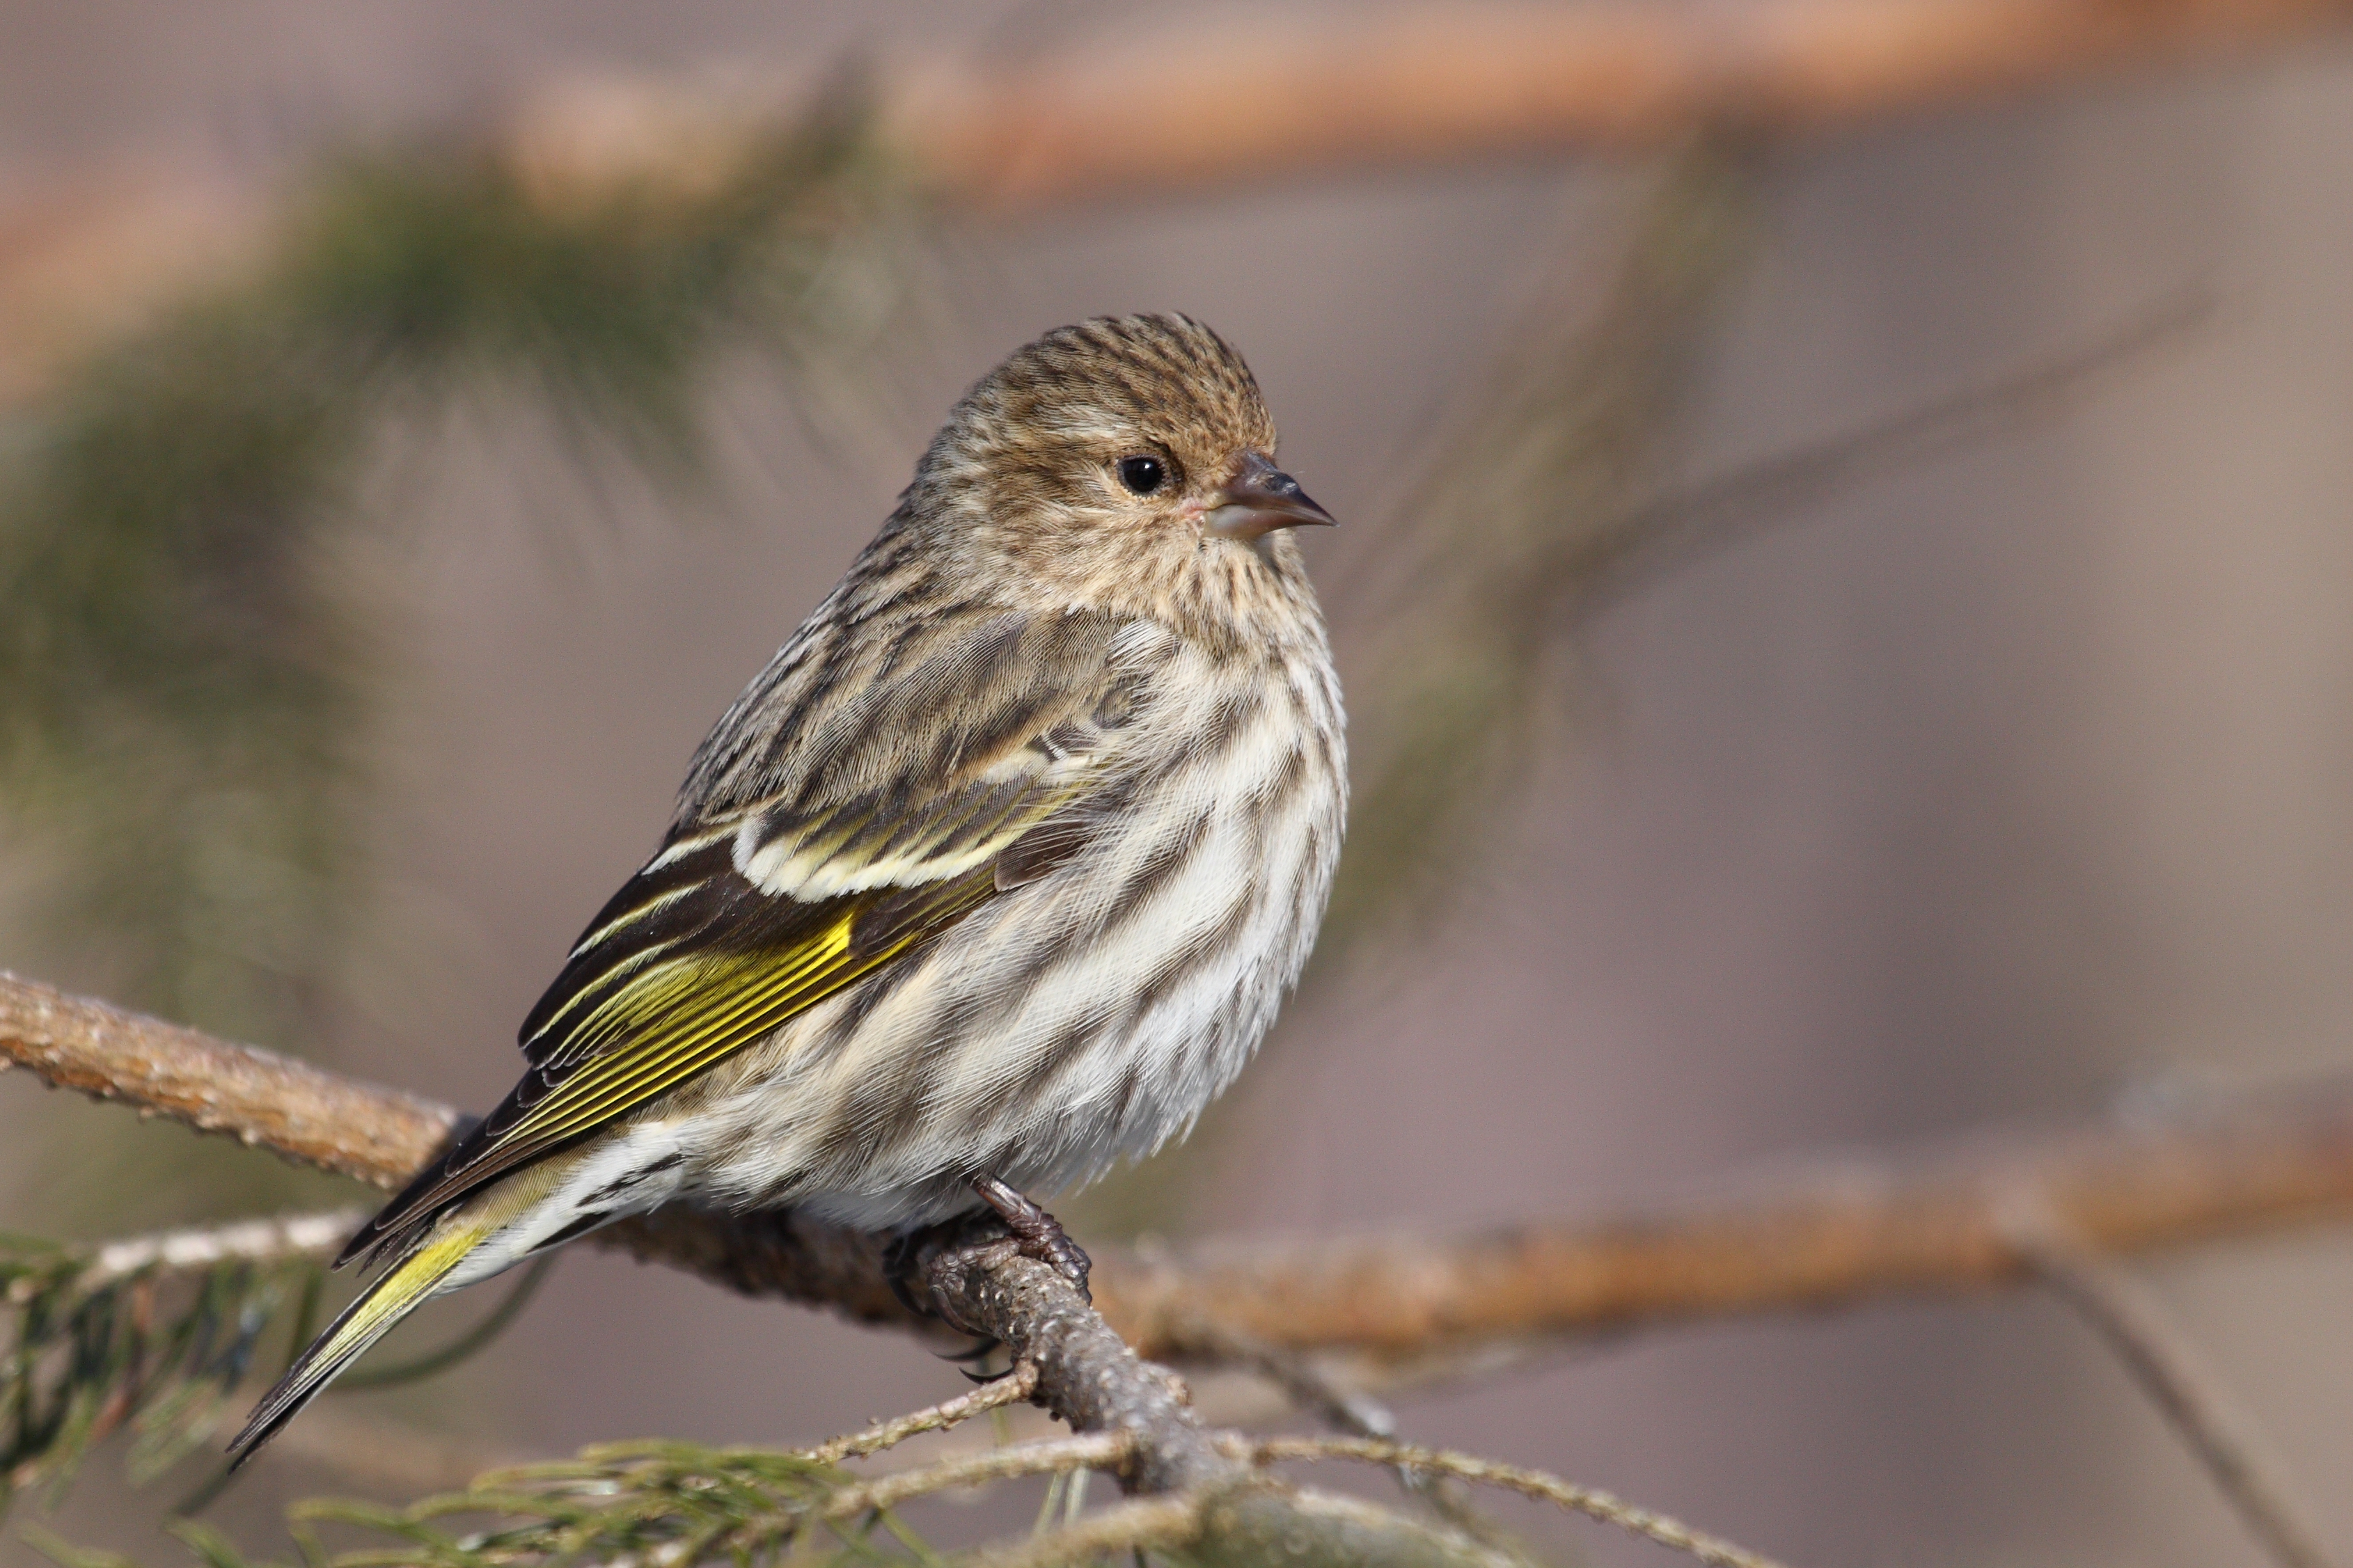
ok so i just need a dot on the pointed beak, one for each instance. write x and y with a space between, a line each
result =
1260 499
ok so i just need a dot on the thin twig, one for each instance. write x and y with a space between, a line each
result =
1303 1383
1586 1500
2168 1368
1357 1415
271 1240
1142 1524
1054 1456
1710 517
1011 1389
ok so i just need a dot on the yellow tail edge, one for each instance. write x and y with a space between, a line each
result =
367 1319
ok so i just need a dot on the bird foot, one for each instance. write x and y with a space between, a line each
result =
916 1261
1038 1234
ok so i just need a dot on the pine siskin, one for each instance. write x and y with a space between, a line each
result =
993 877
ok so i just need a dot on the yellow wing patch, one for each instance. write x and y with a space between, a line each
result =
692 1011
661 1020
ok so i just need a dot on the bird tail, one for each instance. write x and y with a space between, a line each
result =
394 1294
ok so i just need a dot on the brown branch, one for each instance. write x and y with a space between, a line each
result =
1265 100
379 1136
1086 1375
1923 1225
980 1282
2168 1369
1260 102
1920 1225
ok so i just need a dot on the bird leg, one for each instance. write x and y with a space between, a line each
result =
1039 1235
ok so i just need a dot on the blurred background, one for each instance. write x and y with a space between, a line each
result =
1985 783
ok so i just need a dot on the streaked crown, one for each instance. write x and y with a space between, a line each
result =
1058 408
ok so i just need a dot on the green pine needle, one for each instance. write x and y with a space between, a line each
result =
156 1352
100 1341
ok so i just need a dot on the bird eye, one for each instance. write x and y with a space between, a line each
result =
1143 475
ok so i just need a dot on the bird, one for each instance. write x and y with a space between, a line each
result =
993 878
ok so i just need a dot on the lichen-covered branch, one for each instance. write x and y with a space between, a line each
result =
1925 1224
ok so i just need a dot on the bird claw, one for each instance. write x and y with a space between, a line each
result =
909 1258
1038 1234
901 1259
985 1347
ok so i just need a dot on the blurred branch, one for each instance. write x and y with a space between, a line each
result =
1550 503
1562 438
1268 100
1665 533
2168 1369
1262 101
1914 1225
1909 1226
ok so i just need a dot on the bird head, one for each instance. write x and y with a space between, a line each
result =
1124 463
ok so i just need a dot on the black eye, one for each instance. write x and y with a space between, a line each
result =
1143 475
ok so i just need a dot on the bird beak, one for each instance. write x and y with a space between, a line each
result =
1260 499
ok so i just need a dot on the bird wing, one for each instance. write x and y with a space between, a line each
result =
752 914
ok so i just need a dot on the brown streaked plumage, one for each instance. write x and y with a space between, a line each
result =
995 875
